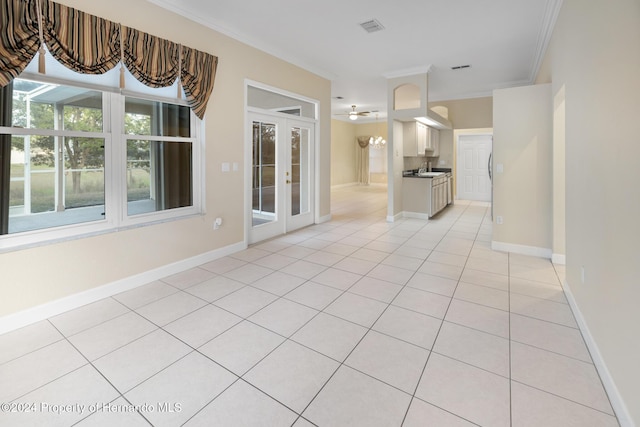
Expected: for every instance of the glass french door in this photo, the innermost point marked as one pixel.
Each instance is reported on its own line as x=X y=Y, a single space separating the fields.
x=282 y=175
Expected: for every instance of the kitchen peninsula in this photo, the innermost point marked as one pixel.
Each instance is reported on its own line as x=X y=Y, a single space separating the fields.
x=425 y=194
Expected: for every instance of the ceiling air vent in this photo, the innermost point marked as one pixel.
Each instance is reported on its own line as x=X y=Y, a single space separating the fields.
x=371 y=26
x=460 y=67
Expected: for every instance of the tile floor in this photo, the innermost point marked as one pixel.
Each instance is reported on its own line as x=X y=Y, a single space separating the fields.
x=356 y=322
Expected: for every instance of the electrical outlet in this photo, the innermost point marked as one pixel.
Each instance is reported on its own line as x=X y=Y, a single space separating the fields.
x=217 y=223
x=499 y=220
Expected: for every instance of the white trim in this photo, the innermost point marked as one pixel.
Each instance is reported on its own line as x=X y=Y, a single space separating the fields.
x=544 y=37
x=323 y=219
x=521 y=249
x=416 y=215
x=617 y=402
x=280 y=91
x=41 y=312
x=248 y=146
x=394 y=218
x=223 y=28
x=408 y=72
x=560 y=259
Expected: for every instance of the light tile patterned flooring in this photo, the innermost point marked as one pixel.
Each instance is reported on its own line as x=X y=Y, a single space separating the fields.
x=356 y=322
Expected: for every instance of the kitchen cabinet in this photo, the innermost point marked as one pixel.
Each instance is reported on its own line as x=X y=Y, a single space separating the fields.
x=415 y=139
x=424 y=197
x=434 y=142
x=420 y=140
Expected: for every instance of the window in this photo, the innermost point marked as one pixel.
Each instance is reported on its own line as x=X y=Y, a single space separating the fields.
x=84 y=160
x=264 y=172
x=159 y=171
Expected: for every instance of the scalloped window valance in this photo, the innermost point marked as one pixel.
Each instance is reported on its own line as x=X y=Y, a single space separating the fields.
x=92 y=45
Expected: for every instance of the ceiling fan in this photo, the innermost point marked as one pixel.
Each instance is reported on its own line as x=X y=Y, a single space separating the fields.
x=353 y=115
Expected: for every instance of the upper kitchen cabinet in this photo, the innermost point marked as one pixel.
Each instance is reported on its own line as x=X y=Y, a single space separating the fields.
x=420 y=140
x=434 y=142
x=415 y=139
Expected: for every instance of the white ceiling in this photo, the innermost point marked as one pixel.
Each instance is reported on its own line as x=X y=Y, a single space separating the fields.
x=502 y=40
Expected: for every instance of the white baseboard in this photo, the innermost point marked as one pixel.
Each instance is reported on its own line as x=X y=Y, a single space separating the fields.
x=560 y=259
x=619 y=407
x=324 y=219
x=521 y=249
x=416 y=215
x=41 y=312
x=394 y=218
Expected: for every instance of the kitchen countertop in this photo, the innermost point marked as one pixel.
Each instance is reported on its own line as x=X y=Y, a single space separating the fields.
x=413 y=173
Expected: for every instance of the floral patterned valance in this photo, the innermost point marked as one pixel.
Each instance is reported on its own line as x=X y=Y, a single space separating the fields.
x=92 y=45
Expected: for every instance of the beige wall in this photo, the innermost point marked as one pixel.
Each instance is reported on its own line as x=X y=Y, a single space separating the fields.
x=559 y=178
x=343 y=153
x=40 y=275
x=343 y=149
x=594 y=56
x=522 y=142
x=470 y=113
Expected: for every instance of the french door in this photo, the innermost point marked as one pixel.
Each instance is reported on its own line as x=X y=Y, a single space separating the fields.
x=282 y=175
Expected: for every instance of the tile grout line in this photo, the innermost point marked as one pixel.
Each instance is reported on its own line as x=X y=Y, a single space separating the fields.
x=510 y=342
x=424 y=368
x=606 y=392
x=289 y=337
x=89 y=362
x=358 y=343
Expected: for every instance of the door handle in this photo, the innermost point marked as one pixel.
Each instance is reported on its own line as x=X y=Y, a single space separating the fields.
x=489 y=167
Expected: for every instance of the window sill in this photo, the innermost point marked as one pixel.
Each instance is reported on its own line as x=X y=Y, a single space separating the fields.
x=51 y=236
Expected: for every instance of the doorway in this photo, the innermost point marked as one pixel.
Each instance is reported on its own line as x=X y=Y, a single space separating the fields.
x=282 y=175
x=474 y=168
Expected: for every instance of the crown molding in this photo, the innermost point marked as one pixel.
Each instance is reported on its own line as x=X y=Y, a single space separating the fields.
x=219 y=27
x=424 y=69
x=544 y=37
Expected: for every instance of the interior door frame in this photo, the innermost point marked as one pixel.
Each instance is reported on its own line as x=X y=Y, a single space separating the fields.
x=315 y=153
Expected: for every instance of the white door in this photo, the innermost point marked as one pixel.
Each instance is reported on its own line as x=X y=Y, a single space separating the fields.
x=473 y=178
x=282 y=175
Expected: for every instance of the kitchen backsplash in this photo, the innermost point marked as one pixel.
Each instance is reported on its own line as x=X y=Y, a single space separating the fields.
x=416 y=162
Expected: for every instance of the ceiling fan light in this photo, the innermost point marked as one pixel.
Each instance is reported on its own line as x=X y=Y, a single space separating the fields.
x=353 y=116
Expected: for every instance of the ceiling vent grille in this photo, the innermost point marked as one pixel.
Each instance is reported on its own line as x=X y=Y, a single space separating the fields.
x=372 y=25
x=460 y=67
